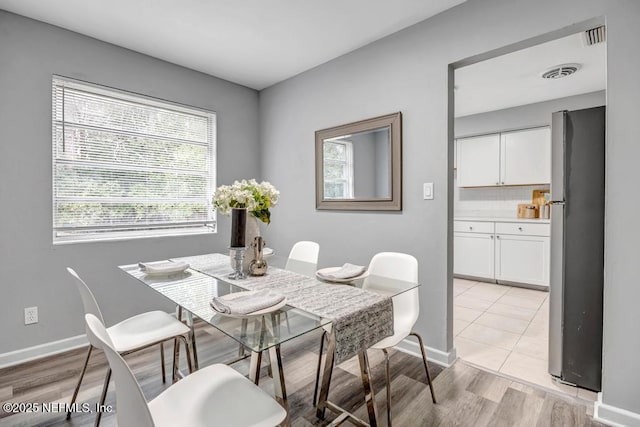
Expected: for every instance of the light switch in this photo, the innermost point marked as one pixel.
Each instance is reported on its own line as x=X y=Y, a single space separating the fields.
x=427 y=191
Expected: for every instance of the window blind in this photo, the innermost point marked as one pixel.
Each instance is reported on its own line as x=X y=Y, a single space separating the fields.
x=125 y=165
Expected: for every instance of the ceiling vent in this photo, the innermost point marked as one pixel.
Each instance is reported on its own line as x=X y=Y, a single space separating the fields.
x=595 y=35
x=560 y=71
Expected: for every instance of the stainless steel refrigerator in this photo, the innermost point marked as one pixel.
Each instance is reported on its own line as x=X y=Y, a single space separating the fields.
x=577 y=246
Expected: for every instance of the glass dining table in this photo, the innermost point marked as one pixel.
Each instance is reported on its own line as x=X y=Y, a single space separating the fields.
x=193 y=289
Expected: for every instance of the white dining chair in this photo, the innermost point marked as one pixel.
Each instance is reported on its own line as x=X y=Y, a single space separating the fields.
x=133 y=334
x=215 y=395
x=406 y=308
x=303 y=258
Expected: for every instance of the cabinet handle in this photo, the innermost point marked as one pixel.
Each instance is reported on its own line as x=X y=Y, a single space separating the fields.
x=502 y=182
x=470 y=228
x=520 y=228
x=491 y=237
x=497 y=183
x=497 y=237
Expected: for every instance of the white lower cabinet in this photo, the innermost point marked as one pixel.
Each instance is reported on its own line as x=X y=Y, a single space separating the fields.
x=515 y=252
x=473 y=254
x=522 y=259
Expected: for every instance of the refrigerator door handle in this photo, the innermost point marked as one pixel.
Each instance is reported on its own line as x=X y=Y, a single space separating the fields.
x=558 y=202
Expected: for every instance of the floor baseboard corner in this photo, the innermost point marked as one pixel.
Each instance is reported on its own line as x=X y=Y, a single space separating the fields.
x=434 y=355
x=613 y=415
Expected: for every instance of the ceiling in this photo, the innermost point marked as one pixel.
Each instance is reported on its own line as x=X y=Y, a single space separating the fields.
x=255 y=43
x=514 y=79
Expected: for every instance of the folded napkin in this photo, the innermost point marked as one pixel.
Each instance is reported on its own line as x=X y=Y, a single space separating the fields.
x=163 y=267
x=347 y=271
x=246 y=304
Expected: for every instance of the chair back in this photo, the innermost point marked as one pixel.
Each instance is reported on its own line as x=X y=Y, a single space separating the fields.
x=303 y=258
x=399 y=266
x=88 y=300
x=132 y=408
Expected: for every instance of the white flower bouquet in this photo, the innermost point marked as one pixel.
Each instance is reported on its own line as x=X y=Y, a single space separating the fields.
x=256 y=197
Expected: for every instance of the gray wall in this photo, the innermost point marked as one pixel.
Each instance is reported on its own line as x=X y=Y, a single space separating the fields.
x=531 y=115
x=32 y=270
x=413 y=78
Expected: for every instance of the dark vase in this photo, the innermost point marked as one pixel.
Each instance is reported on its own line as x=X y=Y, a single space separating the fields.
x=238 y=227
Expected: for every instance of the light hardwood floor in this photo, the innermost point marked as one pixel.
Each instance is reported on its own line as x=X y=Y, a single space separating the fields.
x=466 y=395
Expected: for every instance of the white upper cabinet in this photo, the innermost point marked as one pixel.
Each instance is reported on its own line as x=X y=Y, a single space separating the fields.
x=478 y=161
x=510 y=158
x=526 y=157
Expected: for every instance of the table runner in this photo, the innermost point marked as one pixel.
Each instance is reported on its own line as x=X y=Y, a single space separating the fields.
x=359 y=318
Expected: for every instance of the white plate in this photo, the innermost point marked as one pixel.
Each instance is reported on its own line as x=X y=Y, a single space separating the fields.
x=165 y=268
x=253 y=314
x=267 y=252
x=330 y=270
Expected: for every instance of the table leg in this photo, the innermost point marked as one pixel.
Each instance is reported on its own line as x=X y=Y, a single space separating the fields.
x=326 y=376
x=192 y=337
x=243 y=334
x=278 y=374
x=369 y=394
x=192 y=333
x=278 y=380
x=254 y=366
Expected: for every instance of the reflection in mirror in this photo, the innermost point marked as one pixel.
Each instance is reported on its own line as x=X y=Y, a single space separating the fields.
x=358 y=165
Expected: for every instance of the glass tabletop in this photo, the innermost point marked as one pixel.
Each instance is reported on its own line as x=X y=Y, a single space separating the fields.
x=194 y=288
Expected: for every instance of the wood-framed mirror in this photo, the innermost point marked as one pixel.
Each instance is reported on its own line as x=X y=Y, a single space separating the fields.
x=359 y=165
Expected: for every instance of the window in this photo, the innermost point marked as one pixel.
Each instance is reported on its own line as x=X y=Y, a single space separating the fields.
x=338 y=169
x=126 y=165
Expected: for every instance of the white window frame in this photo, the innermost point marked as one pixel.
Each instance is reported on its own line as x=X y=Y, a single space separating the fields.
x=65 y=235
x=347 y=168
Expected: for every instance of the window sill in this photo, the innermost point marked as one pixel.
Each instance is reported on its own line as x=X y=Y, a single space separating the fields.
x=131 y=235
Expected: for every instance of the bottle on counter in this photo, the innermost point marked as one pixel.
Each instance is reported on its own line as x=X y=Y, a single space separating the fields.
x=544 y=211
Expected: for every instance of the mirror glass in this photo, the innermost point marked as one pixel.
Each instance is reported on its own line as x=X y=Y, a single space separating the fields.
x=358 y=164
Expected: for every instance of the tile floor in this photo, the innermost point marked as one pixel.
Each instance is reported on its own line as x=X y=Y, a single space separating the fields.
x=505 y=329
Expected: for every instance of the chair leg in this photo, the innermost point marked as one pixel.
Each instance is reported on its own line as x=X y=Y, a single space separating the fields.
x=84 y=369
x=164 y=375
x=286 y=318
x=388 y=373
x=103 y=397
x=426 y=366
x=315 y=389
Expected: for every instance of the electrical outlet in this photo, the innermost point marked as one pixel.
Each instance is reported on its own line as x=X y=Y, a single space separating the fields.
x=30 y=315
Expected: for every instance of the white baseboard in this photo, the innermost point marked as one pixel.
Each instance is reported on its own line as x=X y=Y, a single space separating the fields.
x=442 y=358
x=28 y=354
x=613 y=415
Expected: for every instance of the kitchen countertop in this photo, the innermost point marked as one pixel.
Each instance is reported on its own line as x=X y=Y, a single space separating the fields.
x=502 y=219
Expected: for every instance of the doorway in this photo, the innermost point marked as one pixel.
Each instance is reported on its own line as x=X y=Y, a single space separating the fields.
x=500 y=184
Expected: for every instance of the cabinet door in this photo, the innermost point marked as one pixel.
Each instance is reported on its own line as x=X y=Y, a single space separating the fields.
x=523 y=259
x=526 y=157
x=473 y=255
x=478 y=161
